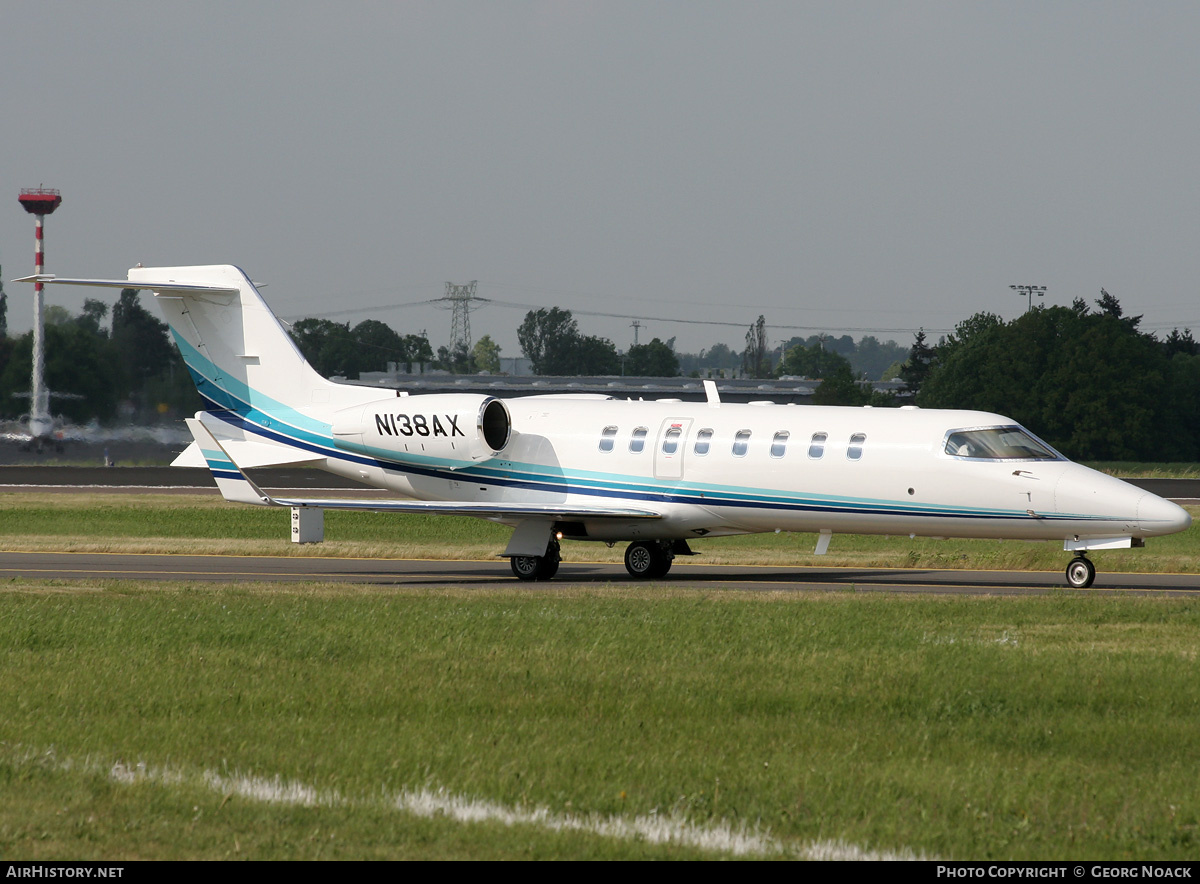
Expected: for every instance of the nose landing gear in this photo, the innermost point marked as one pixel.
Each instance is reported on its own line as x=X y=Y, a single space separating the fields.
x=1080 y=573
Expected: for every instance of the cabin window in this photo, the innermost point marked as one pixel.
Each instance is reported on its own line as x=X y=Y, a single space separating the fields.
x=854 y=452
x=997 y=443
x=779 y=443
x=671 y=440
x=816 y=447
x=703 y=440
x=607 y=438
x=638 y=442
x=741 y=442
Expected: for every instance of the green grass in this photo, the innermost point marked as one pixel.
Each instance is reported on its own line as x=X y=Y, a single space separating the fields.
x=55 y=813
x=1135 y=470
x=1015 y=728
x=1049 y=727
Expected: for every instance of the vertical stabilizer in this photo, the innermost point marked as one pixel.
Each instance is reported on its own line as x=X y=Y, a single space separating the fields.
x=239 y=354
x=244 y=363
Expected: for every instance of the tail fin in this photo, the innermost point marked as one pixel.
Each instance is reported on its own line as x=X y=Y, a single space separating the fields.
x=238 y=353
x=245 y=365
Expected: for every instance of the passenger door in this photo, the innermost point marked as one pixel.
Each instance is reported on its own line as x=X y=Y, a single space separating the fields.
x=670 y=447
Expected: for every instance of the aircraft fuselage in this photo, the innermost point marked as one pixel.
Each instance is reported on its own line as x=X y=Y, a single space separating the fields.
x=715 y=469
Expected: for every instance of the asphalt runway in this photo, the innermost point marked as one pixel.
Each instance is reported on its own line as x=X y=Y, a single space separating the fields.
x=496 y=574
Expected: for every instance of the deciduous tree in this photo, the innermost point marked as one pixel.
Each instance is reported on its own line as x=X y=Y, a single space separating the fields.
x=487 y=355
x=754 y=356
x=1089 y=383
x=652 y=360
x=547 y=338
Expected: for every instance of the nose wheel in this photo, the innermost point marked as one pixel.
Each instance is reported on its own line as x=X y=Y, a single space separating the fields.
x=1080 y=573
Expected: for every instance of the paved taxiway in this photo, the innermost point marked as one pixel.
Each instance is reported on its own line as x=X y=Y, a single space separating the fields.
x=427 y=573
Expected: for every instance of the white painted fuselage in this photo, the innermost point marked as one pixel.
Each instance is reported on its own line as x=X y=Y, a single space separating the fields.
x=708 y=480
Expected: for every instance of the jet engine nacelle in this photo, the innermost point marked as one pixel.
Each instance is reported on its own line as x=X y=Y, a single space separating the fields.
x=450 y=430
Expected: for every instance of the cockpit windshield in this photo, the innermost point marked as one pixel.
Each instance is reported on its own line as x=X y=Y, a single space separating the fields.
x=998 y=443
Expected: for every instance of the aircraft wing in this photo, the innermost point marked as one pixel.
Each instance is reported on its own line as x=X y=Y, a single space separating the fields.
x=471 y=508
x=236 y=486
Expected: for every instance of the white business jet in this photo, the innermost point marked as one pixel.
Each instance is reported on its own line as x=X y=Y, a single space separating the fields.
x=655 y=474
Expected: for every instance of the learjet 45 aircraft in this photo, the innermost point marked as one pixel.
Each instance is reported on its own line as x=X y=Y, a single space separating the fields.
x=658 y=475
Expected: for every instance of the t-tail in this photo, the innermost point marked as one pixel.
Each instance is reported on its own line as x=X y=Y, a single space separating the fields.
x=245 y=365
x=240 y=356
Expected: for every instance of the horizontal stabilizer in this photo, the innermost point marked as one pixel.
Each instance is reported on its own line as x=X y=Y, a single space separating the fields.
x=251 y=455
x=248 y=454
x=191 y=456
x=165 y=285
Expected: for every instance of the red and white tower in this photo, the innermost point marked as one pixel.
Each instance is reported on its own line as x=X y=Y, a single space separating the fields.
x=39 y=202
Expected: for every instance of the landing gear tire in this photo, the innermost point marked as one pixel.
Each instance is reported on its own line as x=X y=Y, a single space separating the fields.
x=1080 y=573
x=549 y=565
x=648 y=560
x=536 y=567
x=525 y=567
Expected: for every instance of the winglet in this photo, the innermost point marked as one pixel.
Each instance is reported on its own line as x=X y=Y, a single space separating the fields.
x=232 y=482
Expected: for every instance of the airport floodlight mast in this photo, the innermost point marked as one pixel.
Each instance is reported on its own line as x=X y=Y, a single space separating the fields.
x=1028 y=291
x=458 y=298
x=39 y=202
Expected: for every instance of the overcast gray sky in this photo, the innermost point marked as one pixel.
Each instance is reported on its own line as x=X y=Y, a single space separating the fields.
x=871 y=166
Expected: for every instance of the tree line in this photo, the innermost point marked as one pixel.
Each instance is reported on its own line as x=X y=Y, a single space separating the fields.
x=550 y=338
x=335 y=349
x=130 y=368
x=1086 y=379
x=95 y=373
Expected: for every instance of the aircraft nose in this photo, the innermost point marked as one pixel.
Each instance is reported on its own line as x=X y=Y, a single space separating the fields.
x=1158 y=516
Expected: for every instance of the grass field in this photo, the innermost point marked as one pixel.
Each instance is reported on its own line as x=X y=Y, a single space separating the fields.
x=298 y=722
x=262 y=722
x=1124 y=469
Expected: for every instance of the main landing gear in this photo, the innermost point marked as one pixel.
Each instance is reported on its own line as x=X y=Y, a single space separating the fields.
x=644 y=559
x=537 y=567
x=649 y=559
x=1080 y=573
